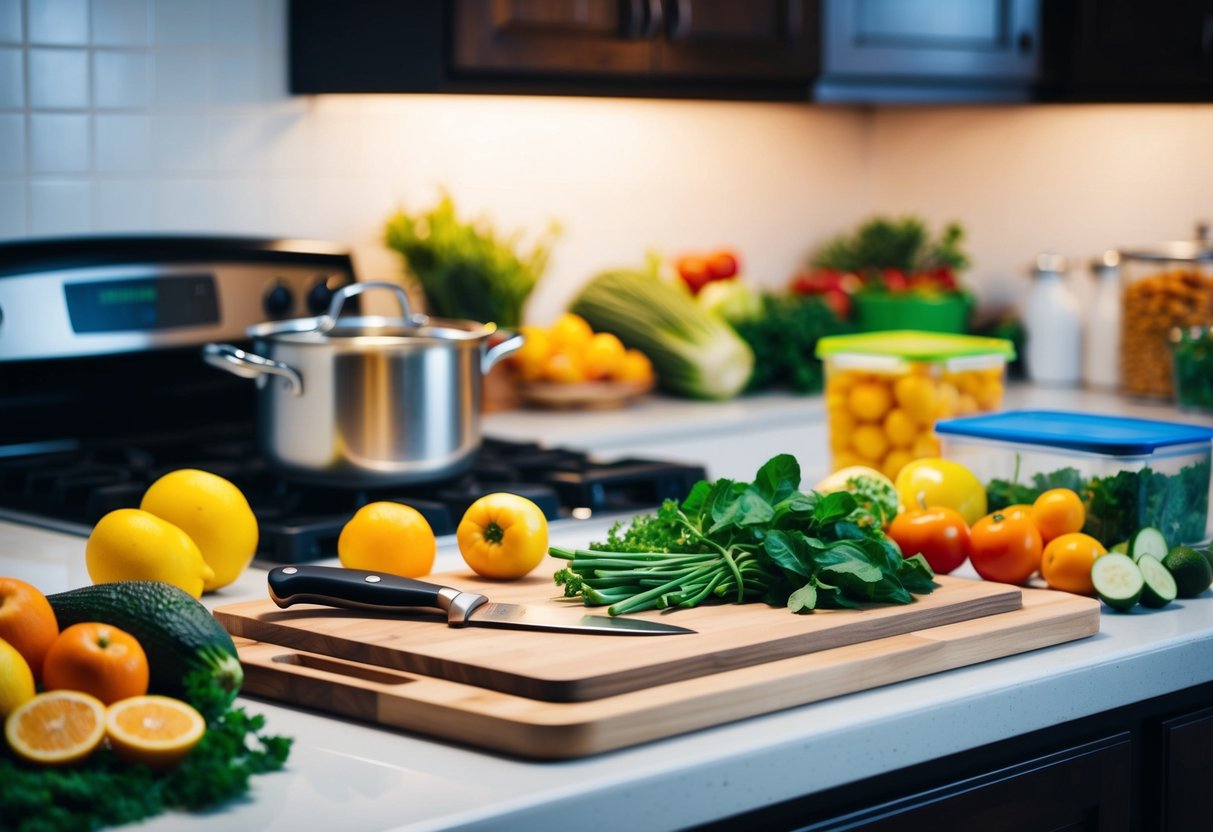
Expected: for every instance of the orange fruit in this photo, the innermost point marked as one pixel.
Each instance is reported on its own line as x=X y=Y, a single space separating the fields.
x=1067 y=560
x=1058 y=511
x=635 y=367
x=157 y=731
x=98 y=659
x=388 y=537
x=27 y=621
x=56 y=727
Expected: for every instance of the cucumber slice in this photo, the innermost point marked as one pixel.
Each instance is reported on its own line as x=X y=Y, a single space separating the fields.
x=1159 y=587
x=1148 y=541
x=1117 y=580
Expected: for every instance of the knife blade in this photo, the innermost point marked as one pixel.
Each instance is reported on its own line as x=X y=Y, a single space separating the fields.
x=382 y=592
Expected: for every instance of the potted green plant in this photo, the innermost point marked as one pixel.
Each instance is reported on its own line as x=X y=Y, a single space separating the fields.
x=891 y=273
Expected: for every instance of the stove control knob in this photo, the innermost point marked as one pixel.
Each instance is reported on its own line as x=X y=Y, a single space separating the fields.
x=278 y=301
x=321 y=294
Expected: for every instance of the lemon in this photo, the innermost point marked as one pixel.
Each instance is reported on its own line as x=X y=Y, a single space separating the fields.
x=917 y=397
x=602 y=356
x=16 y=679
x=531 y=356
x=388 y=537
x=570 y=332
x=214 y=513
x=869 y=401
x=130 y=544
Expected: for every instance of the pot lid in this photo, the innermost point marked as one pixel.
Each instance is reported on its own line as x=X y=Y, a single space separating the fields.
x=408 y=326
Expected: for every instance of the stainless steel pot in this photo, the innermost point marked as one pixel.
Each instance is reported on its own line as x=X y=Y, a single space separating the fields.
x=367 y=400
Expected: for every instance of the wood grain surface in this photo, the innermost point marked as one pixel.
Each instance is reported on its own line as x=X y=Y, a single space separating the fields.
x=570 y=667
x=532 y=728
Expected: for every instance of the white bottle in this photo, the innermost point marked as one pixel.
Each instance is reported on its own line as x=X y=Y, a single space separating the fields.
x=1053 y=326
x=1101 y=344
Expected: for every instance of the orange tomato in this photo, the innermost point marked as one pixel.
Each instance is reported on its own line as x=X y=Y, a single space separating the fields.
x=1067 y=560
x=939 y=534
x=27 y=621
x=1058 y=511
x=1005 y=548
x=98 y=659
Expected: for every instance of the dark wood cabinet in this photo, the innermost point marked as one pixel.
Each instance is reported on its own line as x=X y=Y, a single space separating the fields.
x=760 y=49
x=890 y=50
x=643 y=40
x=1128 y=51
x=1140 y=768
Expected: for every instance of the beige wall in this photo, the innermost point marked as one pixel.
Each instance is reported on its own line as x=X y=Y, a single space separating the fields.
x=161 y=115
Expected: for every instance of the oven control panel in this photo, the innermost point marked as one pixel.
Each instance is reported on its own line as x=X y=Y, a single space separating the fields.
x=60 y=307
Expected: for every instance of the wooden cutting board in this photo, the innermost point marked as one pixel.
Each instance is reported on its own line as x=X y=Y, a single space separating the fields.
x=574 y=667
x=562 y=730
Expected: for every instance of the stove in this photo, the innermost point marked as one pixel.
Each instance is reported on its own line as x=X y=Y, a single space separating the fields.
x=103 y=389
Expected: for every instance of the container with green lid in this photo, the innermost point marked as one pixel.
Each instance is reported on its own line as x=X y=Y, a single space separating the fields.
x=886 y=390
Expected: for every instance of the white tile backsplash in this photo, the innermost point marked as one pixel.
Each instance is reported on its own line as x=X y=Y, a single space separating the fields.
x=122 y=143
x=12 y=144
x=120 y=22
x=59 y=143
x=236 y=77
x=181 y=22
x=181 y=78
x=184 y=205
x=123 y=205
x=181 y=144
x=11 y=28
x=235 y=23
x=12 y=209
x=58 y=79
x=58 y=22
x=12 y=79
x=59 y=207
x=121 y=79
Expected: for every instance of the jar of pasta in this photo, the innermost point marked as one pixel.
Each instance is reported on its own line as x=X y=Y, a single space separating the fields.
x=884 y=391
x=1163 y=289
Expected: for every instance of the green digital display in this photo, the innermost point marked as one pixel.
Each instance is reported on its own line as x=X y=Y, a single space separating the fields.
x=142 y=303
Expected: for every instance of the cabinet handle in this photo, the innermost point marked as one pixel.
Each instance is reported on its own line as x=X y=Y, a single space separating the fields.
x=642 y=19
x=680 y=20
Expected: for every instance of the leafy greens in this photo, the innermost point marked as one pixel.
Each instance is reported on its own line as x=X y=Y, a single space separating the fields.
x=760 y=541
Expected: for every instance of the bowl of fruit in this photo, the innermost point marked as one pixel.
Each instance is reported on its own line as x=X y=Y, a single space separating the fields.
x=892 y=274
x=569 y=366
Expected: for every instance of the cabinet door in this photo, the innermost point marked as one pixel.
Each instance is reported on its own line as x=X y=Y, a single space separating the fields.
x=770 y=39
x=1187 y=805
x=1087 y=788
x=931 y=39
x=528 y=37
x=1127 y=50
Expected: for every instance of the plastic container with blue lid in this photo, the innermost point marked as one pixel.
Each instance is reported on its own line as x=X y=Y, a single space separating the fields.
x=1130 y=472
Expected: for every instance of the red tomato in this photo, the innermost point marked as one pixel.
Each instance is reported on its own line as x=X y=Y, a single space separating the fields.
x=693 y=270
x=722 y=265
x=895 y=280
x=1005 y=547
x=839 y=302
x=939 y=534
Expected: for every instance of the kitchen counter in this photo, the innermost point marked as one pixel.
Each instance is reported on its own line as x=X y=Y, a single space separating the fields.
x=359 y=777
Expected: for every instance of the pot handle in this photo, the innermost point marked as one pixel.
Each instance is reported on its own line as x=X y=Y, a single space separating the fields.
x=329 y=319
x=511 y=344
x=249 y=365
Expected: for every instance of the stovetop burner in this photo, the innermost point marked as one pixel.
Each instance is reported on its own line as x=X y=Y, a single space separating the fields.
x=69 y=490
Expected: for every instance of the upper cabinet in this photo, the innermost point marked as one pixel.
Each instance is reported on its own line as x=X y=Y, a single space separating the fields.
x=1126 y=50
x=935 y=50
x=693 y=48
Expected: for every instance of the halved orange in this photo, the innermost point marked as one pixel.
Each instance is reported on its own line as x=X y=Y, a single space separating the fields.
x=56 y=727
x=157 y=731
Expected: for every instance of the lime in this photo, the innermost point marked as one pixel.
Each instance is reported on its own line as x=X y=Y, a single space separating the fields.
x=1192 y=572
x=1121 y=548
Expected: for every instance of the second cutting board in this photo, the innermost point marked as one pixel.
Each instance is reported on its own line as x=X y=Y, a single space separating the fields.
x=565 y=667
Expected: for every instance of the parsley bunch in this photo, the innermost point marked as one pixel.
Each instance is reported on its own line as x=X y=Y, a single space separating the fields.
x=761 y=541
x=104 y=791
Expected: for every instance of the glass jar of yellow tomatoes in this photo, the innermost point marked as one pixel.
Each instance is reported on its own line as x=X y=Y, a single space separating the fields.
x=884 y=391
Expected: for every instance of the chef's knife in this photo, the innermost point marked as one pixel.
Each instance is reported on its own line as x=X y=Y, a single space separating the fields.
x=355 y=589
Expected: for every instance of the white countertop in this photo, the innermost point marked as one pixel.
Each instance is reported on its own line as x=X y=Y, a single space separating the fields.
x=359 y=777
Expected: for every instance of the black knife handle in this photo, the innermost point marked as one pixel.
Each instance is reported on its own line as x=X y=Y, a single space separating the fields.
x=356 y=589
